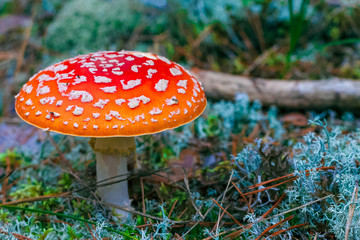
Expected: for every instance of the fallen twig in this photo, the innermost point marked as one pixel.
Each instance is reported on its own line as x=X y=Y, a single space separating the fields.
x=290 y=175
x=284 y=230
x=294 y=94
x=273 y=226
x=351 y=211
x=272 y=186
x=242 y=195
x=235 y=220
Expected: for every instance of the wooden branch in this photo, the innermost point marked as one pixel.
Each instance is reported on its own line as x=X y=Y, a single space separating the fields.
x=332 y=93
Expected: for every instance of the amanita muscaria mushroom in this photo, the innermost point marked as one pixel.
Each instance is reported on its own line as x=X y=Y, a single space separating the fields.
x=112 y=97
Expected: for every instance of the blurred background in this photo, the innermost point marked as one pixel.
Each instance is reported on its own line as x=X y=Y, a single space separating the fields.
x=282 y=39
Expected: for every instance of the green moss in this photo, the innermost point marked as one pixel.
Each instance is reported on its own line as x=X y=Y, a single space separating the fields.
x=93 y=25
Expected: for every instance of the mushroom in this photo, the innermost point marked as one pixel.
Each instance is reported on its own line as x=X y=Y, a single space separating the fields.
x=111 y=97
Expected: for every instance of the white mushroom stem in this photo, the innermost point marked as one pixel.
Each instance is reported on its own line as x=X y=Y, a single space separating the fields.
x=112 y=156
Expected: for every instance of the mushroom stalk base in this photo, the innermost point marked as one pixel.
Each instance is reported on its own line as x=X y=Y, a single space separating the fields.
x=112 y=156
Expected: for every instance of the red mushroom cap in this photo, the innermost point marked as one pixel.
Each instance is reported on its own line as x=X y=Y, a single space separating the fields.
x=107 y=94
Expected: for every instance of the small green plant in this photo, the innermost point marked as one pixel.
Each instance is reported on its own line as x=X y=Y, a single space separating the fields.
x=4 y=216
x=297 y=24
x=28 y=190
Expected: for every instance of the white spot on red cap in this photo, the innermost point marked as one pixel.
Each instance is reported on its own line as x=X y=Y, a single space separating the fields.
x=79 y=79
x=78 y=111
x=161 y=85
x=85 y=96
x=28 y=88
x=87 y=119
x=119 y=101
x=44 y=77
x=175 y=72
x=182 y=83
x=176 y=112
x=115 y=126
x=130 y=84
x=60 y=67
x=188 y=103
x=69 y=108
x=111 y=89
x=196 y=84
x=88 y=64
x=101 y=103
x=66 y=122
x=149 y=63
x=46 y=100
x=153 y=120
x=76 y=125
x=134 y=68
x=108 y=117
x=138 y=117
x=172 y=101
x=117 y=71
x=59 y=103
x=96 y=115
x=62 y=86
x=116 y=115
x=95 y=127
x=27 y=113
x=142 y=54
x=150 y=72
x=43 y=90
x=99 y=57
x=102 y=79
x=93 y=70
x=113 y=114
x=111 y=56
x=155 y=111
x=38 y=113
x=29 y=102
x=181 y=90
x=129 y=58
x=196 y=87
x=134 y=102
